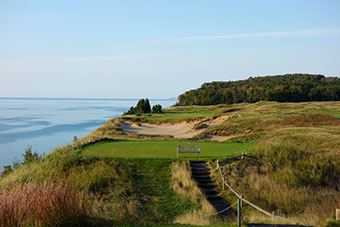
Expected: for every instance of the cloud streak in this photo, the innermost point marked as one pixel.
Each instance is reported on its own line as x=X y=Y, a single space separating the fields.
x=295 y=33
x=326 y=32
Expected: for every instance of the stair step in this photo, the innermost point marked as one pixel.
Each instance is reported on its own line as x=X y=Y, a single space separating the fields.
x=199 y=165
x=219 y=203
x=206 y=185
x=198 y=161
x=194 y=169
x=210 y=192
x=201 y=172
x=205 y=181
x=214 y=197
x=201 y=177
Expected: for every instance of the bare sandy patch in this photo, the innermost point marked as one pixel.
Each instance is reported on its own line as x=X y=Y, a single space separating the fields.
x=182 y=130
x=221 y=138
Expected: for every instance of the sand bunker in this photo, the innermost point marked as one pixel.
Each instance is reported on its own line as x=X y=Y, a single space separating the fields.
x=182 y=130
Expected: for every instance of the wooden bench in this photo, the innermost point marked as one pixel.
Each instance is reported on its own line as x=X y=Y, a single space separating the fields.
x=189 y=149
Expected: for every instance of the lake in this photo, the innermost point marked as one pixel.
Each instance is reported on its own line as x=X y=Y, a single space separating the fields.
x=44 y=123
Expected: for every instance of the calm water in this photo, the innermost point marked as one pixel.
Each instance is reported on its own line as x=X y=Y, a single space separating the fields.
x=46 y=123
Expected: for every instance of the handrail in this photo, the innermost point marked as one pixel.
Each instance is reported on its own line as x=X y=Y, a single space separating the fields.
x=238 y=156
x=221 y=211
x=239 y=196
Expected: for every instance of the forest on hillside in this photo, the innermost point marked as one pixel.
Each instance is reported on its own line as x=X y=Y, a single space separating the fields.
x=281 y=88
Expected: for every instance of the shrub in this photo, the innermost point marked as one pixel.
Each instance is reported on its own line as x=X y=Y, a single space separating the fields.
x=157 y=109
x=143 y=106
x=7 y=170
x=333 y=223
x=29 y=156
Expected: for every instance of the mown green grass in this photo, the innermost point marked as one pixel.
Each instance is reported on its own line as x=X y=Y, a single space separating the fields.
x=163 y=149
x=332 y=112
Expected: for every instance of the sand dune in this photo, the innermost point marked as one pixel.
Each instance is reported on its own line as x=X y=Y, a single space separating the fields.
x=181 y=130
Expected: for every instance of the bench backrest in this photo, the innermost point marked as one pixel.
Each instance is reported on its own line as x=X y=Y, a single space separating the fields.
x=189 y=149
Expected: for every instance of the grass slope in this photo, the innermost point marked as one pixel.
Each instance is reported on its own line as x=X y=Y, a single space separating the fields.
x=119 y=191
x=296 y=170
x=163 y=149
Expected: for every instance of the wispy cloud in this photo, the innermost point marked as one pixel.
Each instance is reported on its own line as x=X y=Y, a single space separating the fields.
x=294 y=33
x=329 y=32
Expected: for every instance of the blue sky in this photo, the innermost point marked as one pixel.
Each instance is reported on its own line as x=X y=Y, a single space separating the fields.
x=159 y=49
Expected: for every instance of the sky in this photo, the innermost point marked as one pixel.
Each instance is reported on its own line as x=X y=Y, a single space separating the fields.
x=159 y=49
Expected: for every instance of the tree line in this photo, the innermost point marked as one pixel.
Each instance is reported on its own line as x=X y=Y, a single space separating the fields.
x=281 y=88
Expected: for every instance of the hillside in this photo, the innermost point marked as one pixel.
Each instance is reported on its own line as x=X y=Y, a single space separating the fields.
x=281 y=88
x=131 y=176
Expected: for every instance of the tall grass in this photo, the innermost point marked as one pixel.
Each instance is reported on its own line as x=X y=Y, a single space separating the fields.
x=184 y=185
x=47 y=204
x=296 y=173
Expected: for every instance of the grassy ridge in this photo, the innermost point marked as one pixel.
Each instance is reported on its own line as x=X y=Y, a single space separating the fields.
x=118 y=191
x=297 y=167
x=254 y=122
x=295 y=173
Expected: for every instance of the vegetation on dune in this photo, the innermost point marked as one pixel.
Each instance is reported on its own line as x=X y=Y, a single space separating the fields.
x=142 y=107
x=184 y=185
x=137 y=181
x=28 y=156
x=296 y=170
x=253 y=122
x=282 y=88
x=117 y=190
x=46 y=204
x=178 y=114
x=157 y=109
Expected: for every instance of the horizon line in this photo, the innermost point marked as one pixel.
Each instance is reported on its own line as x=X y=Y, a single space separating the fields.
x=73 y=98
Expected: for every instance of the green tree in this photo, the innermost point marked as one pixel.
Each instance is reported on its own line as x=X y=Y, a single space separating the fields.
x=140 y=106
x=143 y=106
x=146 y=106
x=157 y=109
x=281 y=88
x=29 y=156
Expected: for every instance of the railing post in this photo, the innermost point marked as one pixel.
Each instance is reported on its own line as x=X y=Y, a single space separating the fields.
x=239 y=212
x=337 y=214
x=219 y=170
x=273 y=215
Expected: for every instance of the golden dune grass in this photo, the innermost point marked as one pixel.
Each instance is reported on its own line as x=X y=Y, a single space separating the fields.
x=184 y=185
